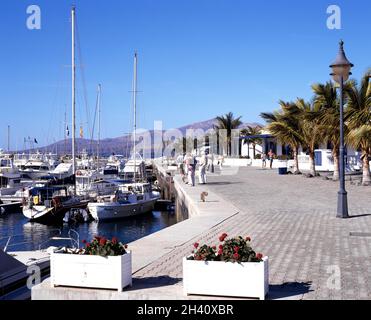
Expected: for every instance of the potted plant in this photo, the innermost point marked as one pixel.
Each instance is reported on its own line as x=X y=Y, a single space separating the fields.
x=101 y=264
x=230 y=269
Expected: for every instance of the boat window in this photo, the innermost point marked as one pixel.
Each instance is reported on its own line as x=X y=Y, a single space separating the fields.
x=3 y=163
x=59 y=193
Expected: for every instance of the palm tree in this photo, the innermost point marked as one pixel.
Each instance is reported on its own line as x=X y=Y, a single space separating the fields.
x=311 y=129
x=326 y=101
x=285 y=126
x=252 y=131
x=358 y=118
x=227 y=122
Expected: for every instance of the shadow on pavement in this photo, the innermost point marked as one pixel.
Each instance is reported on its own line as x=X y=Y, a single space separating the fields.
x=289 y=290
x=153 y=282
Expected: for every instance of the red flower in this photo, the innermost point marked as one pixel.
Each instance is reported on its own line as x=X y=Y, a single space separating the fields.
x=235 y=249
x=222 y=237
x=248 y=239
x=102 y=241
x=83 y=241
x=114 y=240
x=220 y=247
x=196 y=244
x=236 y=256
x=259 y=256
x=88 y=245
x=220 y=252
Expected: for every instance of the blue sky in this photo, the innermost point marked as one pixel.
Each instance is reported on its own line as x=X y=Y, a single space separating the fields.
x=197 y=59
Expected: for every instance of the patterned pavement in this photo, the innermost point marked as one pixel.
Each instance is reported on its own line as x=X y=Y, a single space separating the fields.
x=292 y=219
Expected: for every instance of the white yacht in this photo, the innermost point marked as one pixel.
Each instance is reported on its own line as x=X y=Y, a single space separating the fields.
x=35 y=169
x=135 y=167
x=10 y=178
x=128 y=201
x=91 y=183
x=62 y=171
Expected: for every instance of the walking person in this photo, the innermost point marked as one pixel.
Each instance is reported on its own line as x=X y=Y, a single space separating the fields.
x=179 y=161
x=270 y=155
x=264 y=160
x=202 y=169
x=191 y=167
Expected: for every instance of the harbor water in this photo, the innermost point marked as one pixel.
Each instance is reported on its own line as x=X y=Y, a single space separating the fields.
x=31 y=235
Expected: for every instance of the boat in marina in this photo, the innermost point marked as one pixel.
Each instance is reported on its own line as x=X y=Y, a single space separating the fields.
x=50 y=204
x=128 y=201
x=10 y=178
x=135 y=167
x=35 y=169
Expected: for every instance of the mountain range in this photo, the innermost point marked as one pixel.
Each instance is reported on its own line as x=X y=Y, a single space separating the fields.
x=120 y=145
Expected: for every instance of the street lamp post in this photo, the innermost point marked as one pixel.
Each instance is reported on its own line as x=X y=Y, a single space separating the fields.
x=340 y=73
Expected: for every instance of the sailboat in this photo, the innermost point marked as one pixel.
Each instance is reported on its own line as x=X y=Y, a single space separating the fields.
x=130 y=199
x=50 y=204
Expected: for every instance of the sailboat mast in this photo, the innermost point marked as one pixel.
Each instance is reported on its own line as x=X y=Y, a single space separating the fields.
x=135 y=113
x=65 y=130
x=73 y=94
x=98 y=102
x=8 y=138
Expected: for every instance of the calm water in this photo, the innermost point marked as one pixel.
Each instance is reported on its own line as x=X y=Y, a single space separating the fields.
x=28 y=236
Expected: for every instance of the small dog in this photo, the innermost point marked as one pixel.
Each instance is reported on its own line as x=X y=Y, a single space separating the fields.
x=203 y=195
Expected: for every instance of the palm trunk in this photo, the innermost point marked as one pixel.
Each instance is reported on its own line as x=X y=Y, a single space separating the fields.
x=254 y=151
x=312 y=164
x=229 y=147
x=296 y=161
x=366 y=178
x=336 y=165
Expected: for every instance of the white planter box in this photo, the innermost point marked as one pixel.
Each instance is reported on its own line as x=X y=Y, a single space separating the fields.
x=113 y=272
x=218 y=278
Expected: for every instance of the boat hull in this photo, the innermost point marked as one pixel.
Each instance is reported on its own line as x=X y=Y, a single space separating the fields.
x=110 y=211
x=52 y=215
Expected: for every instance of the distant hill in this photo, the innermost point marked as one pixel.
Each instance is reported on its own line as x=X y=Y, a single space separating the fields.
x=120 y=145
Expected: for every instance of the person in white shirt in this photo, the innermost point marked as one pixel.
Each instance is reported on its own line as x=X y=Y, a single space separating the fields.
x=202 y=168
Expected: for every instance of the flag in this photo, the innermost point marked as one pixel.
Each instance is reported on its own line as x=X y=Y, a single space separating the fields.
x=35 y=141
x=67 y=132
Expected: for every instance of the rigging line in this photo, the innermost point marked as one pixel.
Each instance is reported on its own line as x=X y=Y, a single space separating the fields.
x=95 y=117
x=54 y=105
x=81 y=66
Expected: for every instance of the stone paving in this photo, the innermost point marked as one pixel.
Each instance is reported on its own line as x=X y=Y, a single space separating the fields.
x=292 y=219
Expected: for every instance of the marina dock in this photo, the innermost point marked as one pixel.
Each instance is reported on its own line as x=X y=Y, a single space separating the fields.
x=306 y=243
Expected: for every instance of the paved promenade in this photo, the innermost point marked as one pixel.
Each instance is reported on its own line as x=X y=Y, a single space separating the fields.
x=292 y=219
x=313 y=254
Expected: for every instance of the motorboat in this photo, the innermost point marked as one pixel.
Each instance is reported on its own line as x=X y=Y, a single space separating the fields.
x=62 y=171
x=35 y=169
x=135 y=168
x=50 y=204
x=128 y=201
x=10 y=178
x=91 y=182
